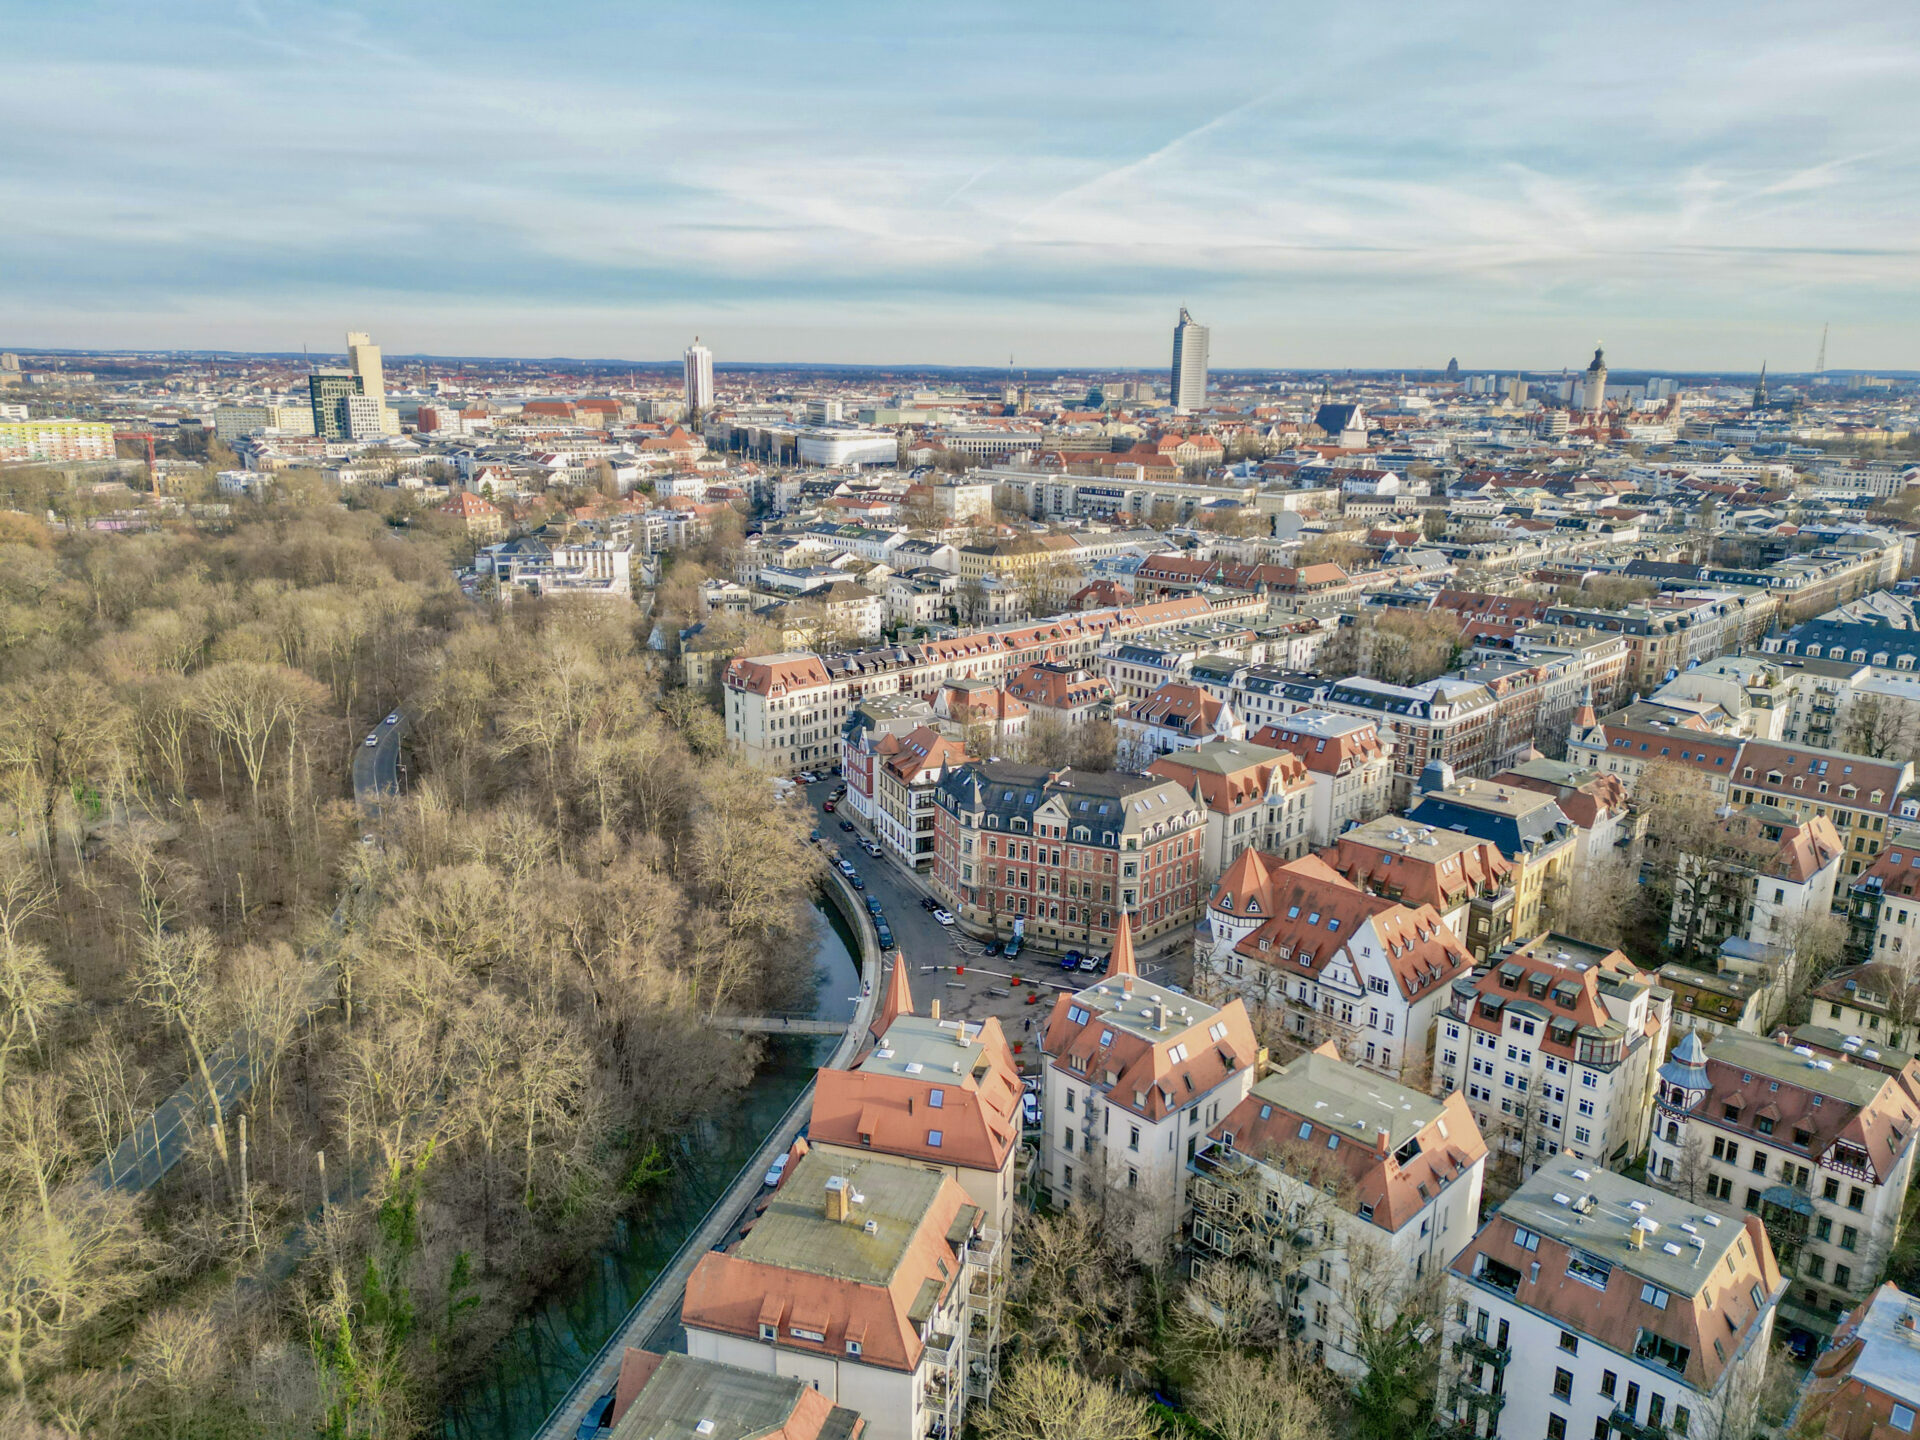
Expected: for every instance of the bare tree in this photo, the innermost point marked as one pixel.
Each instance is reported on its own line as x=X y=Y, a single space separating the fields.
x=1039 y=1400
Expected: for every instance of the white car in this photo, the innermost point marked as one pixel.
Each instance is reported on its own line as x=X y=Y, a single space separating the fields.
x=779 y=1169
x=393 y=719
x=1030 y=1110
x=944 y=917
x=807 y=777
x=846 y=869
x=373 y=739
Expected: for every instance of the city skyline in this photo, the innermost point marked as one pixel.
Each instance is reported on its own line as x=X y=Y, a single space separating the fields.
x=1696 y=196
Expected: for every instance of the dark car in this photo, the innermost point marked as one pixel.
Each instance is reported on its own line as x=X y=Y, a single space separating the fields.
x=847 y=825
x=1072 y=957
x=886 y=935
x=929 y=904
x=815 y=835
x=857 y=882
x=594 y=1422
x=1013 y=947
x=873 y=905
x=993 y=948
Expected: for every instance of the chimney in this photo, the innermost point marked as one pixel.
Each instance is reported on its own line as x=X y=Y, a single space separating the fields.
x=838 y=1210
x=1386 y=1142
x=1159 y=1016
x=960 y=1034
x=933 y=1011
x=1636 y=1237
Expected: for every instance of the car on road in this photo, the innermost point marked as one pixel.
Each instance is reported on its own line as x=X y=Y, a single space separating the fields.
x=393 y=719
x=845 y=867
x=943 y=917
x=871 y=848
x=779 y=1169
x=373 y=739
x=1072 y=957
x=856 y=882
x=929 y=904
x=1092 y=964
x=827 y=805
x=816 y=833
x=993 y=948
x=807 y=777
x=1030 y=1110
x=873 y=905
x=847 y=825
x=595 y=1422
x=886 y=935
x=1031 y=1084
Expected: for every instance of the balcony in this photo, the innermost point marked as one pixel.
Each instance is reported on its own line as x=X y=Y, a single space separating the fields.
x=1469 y=1396
x=1626 y=1425
x=1482 y=1350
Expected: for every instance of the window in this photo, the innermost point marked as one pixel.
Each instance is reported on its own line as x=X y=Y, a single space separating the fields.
x=934 y=1137
x=1563 y=1384
x=937 y=1099
x=1653 y=1295
x=1133 y=1137
x=1661 y=1351
x=1843 y=1276
x=853 y=1347
x=1856 y=1198
x=1849 y=1238
x=768 y=1332
x=1557 y=1426
x=1569 y=1342
x=1902 y=1417
x=1607 y=1382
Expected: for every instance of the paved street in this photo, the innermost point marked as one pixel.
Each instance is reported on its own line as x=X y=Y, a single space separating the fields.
x=944 y=964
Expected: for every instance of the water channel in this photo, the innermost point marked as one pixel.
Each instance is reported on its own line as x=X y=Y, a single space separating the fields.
x=534 y=1365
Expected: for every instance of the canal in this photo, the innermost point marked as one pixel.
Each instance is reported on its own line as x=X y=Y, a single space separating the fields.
x=532 y=1368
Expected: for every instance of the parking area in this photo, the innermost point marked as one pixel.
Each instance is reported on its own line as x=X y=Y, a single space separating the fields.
x=944 y=964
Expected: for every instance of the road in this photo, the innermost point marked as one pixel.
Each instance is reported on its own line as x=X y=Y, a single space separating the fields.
x=159 y=1141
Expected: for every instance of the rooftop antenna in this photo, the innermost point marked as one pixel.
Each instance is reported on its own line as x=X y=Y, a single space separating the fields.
x=1820 y=362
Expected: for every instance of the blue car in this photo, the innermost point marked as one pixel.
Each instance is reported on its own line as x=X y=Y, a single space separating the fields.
x=595 y=1421
x=886 y=936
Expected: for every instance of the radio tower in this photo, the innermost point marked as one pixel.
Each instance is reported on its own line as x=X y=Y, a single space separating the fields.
x=1820 y=363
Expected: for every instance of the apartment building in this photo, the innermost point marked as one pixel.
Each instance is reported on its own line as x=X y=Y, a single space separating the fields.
x=1348 y=763
x=1592 y=1305
x=1856 y=792
x=1555 y=1047
x=906 y=771
x=1253 y=798
x=1317 y=958
x=1448 y=721
x=1069 y=696
x=870 y=1278
x=1136 y=1075
x=1467 y=881
x=784 y=712
x=1765 y=875
x=1866 y=1385
x=1056 y=856
x=1819 y=1150
x=1384 y=1181
x=55 y=441
x=1527 y=827
x=1597 y=804
x=1628 y=742
x=1877 y=1003
x=939 y=1093
x=1173 y=718
x=677 y=1395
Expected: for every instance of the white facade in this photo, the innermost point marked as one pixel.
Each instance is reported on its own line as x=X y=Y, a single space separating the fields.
x=832 y=446
x=698 y=367
x=1189 y=364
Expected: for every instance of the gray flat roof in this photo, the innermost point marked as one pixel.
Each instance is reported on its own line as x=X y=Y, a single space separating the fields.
x=1890 y=1360
x=1130 y=1012
x=1855 y=1084
x=1581 y=1205
x=1345 y=1097
x=794 y=1233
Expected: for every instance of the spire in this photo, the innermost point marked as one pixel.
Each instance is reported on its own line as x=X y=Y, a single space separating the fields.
x=1121 y=962
x=897 y=1000
x=1584 y=718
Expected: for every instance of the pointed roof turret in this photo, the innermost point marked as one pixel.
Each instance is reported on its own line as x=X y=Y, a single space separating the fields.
x=1686 y=1067
x=1584 y=719
x=896 y=1000
x=1121 y=962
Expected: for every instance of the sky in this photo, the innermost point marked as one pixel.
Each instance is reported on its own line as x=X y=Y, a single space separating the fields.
x=1696 y=186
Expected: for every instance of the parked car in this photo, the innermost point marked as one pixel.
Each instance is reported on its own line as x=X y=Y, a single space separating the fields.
x=943 y=917
x=856 y=882
x=595 y=1423
x=886 y=935
x=1013 y=947
x=1072 y=957
x=779 y=1169
x=1092 y=964
x=871 y=847
x=846 y=867
x=816 y=833
x=929 y=904
x=1031 y=1084
x=873 y=905
x=807 y=777
x=847 y=825
x=993 y=948
x=827 y=805
x=1030 y=1110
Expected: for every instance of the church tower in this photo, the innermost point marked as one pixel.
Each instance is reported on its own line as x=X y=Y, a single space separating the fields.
x=1594 y=398
x=1760 y=388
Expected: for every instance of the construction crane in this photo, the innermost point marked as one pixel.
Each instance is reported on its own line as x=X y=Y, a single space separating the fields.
x=146 y=435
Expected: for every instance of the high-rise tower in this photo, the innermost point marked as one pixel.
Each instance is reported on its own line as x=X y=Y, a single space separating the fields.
x=1760 y=388
x=1189 y=364
x=363 y=363
x=699 y=368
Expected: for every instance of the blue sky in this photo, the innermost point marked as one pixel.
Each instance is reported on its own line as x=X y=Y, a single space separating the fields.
x=1696 y=185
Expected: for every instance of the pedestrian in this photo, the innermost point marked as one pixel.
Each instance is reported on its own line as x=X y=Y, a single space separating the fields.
x=1029 y=1024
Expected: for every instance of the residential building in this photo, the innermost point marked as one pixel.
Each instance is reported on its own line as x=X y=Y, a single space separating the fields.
x=907 y=773
x=1528 y=828
x=1764 y=876
x=1857 y=793
x=1062 y=694
x=1598 y=805
x=1174 y=717
x=1189 y=389
x=872 y=732
x=235 y=422
x=1055 y=856
x=1348 y=763
x=697 y=364
x=1877 y=1003
x=1555 y=1047
x=479 y=518
x=1317 y=958
x=795 y=713
x=1465 y=879
x=1592 y=1305
x=1254 y=798
x=673 y=1395
x=55 y=441
x=1712 y=1001
x=1447 y=721
x=1818 y=1150
x=327 y=392
x=925 y=1071
x=1630 y=741
x=1135 y=1077
x=1384 y=1181
x=1866 y=1384
x=873 y=1279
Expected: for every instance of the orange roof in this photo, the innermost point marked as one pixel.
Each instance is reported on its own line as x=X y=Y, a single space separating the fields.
x=884 y=1106
x=468 y=506
x=1228 y=792
x=1085 y=1039
x=1121 y=961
